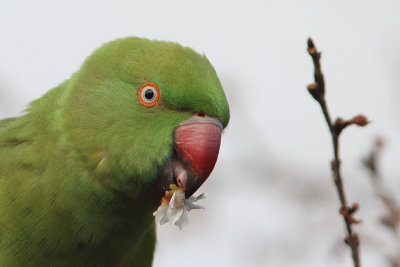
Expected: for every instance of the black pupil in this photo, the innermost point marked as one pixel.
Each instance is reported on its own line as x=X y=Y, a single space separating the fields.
x=149 y=94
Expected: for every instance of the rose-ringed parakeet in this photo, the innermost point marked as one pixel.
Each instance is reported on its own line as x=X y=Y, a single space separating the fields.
x=82 y=171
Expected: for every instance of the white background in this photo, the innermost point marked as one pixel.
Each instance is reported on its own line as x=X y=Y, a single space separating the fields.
x=271 y=201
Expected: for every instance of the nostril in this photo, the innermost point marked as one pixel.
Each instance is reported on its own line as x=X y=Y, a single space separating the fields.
x=201 y=114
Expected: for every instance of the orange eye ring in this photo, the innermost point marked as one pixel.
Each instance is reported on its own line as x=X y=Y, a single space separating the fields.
x=148 y=95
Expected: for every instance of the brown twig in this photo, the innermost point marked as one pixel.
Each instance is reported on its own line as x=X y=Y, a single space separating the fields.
x=317 y=90
x=392 y=217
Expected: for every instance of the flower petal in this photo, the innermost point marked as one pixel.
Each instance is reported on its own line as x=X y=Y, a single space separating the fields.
x=201 y=196
x=190 y=206
x=182 y=221
x=177 y=200
x=178 y=214
x=161 y=214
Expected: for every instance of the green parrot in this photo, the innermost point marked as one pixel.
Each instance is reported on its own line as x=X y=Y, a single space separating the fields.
x=83 y=170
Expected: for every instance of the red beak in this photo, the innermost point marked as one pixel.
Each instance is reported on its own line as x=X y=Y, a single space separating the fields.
x=197 y=145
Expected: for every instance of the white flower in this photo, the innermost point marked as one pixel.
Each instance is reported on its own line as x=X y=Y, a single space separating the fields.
x=174 y=209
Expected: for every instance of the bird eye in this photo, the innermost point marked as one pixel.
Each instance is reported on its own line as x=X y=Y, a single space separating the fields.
x=148 y=94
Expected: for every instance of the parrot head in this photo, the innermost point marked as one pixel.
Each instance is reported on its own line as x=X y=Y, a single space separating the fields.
x=142 y=113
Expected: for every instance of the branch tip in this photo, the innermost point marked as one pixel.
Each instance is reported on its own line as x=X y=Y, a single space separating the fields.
x=310 y=44
x=359 y=120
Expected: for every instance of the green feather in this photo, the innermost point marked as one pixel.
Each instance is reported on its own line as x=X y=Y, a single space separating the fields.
x=79 y=168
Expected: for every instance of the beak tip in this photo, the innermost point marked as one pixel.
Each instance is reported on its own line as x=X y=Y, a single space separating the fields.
x=193 y=184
